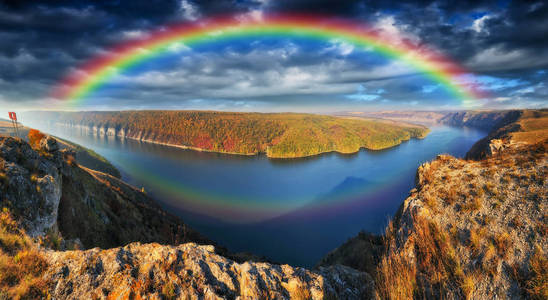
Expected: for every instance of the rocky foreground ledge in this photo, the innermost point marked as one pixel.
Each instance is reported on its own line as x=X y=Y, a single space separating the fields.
x=191 y=271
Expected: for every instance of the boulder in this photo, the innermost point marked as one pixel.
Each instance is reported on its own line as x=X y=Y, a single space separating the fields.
x=49 y=144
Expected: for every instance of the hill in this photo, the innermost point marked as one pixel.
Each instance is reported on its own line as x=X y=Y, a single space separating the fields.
x=284 y=135
x=473 y=228
x=481 y=119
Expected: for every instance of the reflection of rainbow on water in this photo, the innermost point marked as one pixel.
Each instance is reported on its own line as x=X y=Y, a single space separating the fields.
x=241 y=209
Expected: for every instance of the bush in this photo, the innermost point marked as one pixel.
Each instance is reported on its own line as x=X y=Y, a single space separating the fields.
x=35 y=136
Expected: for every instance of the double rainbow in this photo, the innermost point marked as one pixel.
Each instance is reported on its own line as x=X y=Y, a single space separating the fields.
x=97 y=71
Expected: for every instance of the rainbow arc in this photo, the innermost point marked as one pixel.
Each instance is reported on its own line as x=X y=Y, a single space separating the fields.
x=78 y=85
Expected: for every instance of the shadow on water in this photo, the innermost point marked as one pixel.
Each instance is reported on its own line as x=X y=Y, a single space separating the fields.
x=306 y=206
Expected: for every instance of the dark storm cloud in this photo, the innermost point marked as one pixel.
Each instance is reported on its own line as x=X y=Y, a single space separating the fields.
x=505 y=40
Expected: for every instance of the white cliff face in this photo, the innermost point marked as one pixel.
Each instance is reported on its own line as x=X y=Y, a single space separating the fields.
x=110 y=131
x=190 y=271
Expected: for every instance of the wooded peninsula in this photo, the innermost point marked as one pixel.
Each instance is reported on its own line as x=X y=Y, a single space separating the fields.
x=278 y=135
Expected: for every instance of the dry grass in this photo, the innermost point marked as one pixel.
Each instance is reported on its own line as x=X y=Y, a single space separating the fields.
x=537 y=284
x=476 y=238
x=169 y=290
x=396 y=277
x=502 y=243
x=467 y=285
x=452 y=195
x=430 y=274
x=472 y=204
x=429 y=199
x=21 y=265
x=516 y=222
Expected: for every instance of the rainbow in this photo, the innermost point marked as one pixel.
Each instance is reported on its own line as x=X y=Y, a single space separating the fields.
x=244 y=209
x=96 y=72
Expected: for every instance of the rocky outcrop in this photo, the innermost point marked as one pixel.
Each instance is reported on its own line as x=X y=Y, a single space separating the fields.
x=362 y=252
x=32 y=183
x=486 y=120
x=51 y=192
x=479 y=225
x=472 y=229
x=503 y=134
x=190 y=271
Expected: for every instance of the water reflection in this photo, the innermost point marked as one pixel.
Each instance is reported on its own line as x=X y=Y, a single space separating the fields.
x=293 y=211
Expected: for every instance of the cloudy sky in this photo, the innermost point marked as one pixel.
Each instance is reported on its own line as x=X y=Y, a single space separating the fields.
x=503 y=43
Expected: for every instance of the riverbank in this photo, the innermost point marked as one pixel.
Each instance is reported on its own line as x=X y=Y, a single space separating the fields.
x=280 y=135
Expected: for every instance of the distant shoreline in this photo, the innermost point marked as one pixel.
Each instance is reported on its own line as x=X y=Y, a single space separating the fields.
x=427 y=131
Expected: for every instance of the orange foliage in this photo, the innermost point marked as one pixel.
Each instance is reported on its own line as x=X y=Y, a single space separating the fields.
x=35 y=136
x=203 y=141
x=229 y=144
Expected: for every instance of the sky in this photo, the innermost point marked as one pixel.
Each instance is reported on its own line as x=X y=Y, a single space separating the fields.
x=503 y=45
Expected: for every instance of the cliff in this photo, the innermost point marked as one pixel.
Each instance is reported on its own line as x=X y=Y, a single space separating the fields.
x=473 y=229
x=52 y=208
x=56 y=196
x=281 y=135
x=84 y=156
x=485 y=120
x=519 y=127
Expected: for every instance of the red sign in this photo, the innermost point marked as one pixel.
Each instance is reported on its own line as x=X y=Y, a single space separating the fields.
x=13 y=116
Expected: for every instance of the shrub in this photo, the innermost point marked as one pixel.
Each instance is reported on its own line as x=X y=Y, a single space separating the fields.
x=35 y=136
x=71 y=161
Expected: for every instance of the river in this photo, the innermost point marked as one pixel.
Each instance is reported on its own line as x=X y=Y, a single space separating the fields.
x=292 y=210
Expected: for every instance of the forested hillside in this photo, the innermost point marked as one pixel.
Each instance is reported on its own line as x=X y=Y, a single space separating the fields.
x=278 y=135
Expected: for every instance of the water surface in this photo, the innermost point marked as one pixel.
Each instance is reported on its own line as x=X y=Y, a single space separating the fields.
x=291 y=211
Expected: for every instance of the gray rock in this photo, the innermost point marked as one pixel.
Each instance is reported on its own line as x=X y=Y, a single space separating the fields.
x=33 y=185
x=49 y=144
x=190 y=271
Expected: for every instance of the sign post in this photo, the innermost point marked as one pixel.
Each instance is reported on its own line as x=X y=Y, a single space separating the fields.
x=13 y=118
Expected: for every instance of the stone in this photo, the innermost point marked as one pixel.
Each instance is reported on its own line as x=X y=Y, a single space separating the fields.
x=49 y=144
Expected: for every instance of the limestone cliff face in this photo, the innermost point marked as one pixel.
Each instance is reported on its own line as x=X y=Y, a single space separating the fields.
x=486 y=120
x=189 y=271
